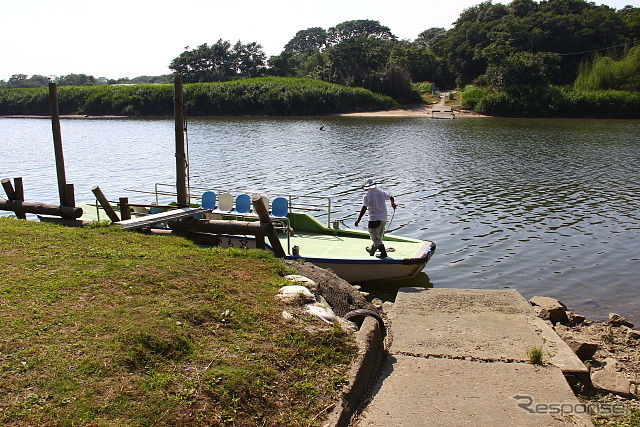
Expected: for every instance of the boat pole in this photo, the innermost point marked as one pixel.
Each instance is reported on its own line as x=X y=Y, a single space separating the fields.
x=181 y=158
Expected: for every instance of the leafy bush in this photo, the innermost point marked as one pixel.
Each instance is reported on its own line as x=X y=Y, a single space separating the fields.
x=260 y=96
x=556 y=102
x=472 y=95
x=605 y=73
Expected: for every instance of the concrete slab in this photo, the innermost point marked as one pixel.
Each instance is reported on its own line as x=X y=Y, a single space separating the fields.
x=490 y=325
x=459 y=358
x=418 y=392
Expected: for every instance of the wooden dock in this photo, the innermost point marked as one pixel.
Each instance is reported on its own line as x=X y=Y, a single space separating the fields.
x=153 y=219
x=442 y=112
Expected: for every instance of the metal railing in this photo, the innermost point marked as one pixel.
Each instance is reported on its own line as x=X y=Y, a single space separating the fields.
x=318 y=206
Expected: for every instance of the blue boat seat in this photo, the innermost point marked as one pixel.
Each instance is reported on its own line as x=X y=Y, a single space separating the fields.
x=243 y=204
x=209 y=200
x=155 y=210
x=280 y=207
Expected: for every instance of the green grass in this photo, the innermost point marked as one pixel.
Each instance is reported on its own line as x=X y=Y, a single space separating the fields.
x=535 y=355
x=277 y=96
x=103 y=327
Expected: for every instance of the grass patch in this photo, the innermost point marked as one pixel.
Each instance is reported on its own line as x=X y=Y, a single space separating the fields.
x=535 y=355
x=104 y=327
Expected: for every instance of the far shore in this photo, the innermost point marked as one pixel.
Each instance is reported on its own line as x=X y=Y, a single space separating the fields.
x=416 y=111
x=419 y=111
x=413 y=111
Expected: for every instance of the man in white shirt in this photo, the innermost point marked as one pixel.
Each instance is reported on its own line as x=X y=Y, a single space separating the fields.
x=375 y=201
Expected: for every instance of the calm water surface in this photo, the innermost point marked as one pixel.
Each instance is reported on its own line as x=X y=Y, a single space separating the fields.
x=547 y=207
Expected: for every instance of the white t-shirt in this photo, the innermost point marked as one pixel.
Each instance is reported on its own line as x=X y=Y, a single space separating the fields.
x=375 y=201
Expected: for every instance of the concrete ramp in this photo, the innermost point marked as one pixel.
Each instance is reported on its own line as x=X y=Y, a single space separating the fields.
x=459 y=358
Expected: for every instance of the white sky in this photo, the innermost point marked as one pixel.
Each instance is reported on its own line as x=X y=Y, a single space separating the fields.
x=129 y=38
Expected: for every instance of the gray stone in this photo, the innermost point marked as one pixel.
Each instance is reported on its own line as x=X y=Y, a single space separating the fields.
x=617 y=320
x=611 y=381
x=632 y=337
x=582 y=348
x=550 y=309
x=295 y=293
x=302 y=280
x=575 y=319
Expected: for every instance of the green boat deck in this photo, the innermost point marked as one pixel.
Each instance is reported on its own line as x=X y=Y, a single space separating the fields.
x=350 y=246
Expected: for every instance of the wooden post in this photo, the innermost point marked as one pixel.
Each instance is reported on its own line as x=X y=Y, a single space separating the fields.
x=57 y=143
x=70 y=195
x=263 y=214
x=19 y=195
x=8 y=188
x=19 y=188
x=125 y=212
x=181 y=158
x=16 y=194
x=105 y=204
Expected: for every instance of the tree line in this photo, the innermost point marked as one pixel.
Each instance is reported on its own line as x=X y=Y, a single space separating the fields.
x=24 y=81
x=525 y=43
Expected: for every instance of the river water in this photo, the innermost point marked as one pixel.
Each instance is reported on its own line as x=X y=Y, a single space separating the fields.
x=547 y=207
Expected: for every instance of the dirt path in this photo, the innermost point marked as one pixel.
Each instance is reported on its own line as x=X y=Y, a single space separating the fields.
x=416 y=110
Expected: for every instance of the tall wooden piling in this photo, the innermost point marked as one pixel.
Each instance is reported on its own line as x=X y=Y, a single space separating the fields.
x=181 y=158
x=57 y=145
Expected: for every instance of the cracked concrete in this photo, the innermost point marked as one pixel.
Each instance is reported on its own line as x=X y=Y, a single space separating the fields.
x=459 y=357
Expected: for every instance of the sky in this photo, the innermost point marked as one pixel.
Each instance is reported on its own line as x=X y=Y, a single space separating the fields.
x=130 y=38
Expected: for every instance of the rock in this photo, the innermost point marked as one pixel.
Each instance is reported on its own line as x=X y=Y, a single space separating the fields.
x=611 y=381
x=295 y=293
x=550 y=309
x=286 y=315
x=617 y=320
x=321 y=311
x=575 y=319
x=377 y=303
x=582 y=348
x=632 y=337
x=347 y=325
x=302 y=280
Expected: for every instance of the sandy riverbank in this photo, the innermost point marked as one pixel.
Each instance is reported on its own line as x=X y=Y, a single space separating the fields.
x=416 y=111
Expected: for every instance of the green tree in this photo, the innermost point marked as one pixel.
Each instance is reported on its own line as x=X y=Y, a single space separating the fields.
x=250 y=60
x=354 y=58
x=220 y=62
x=359 y=28
x=284 y=65
x=523 y=69
x=429 y=38
x=307 y=41
x=76 y=80
x=420 y=62
x=24 y=81
x=630 y=17
x=315 y=65
x=205 y=63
